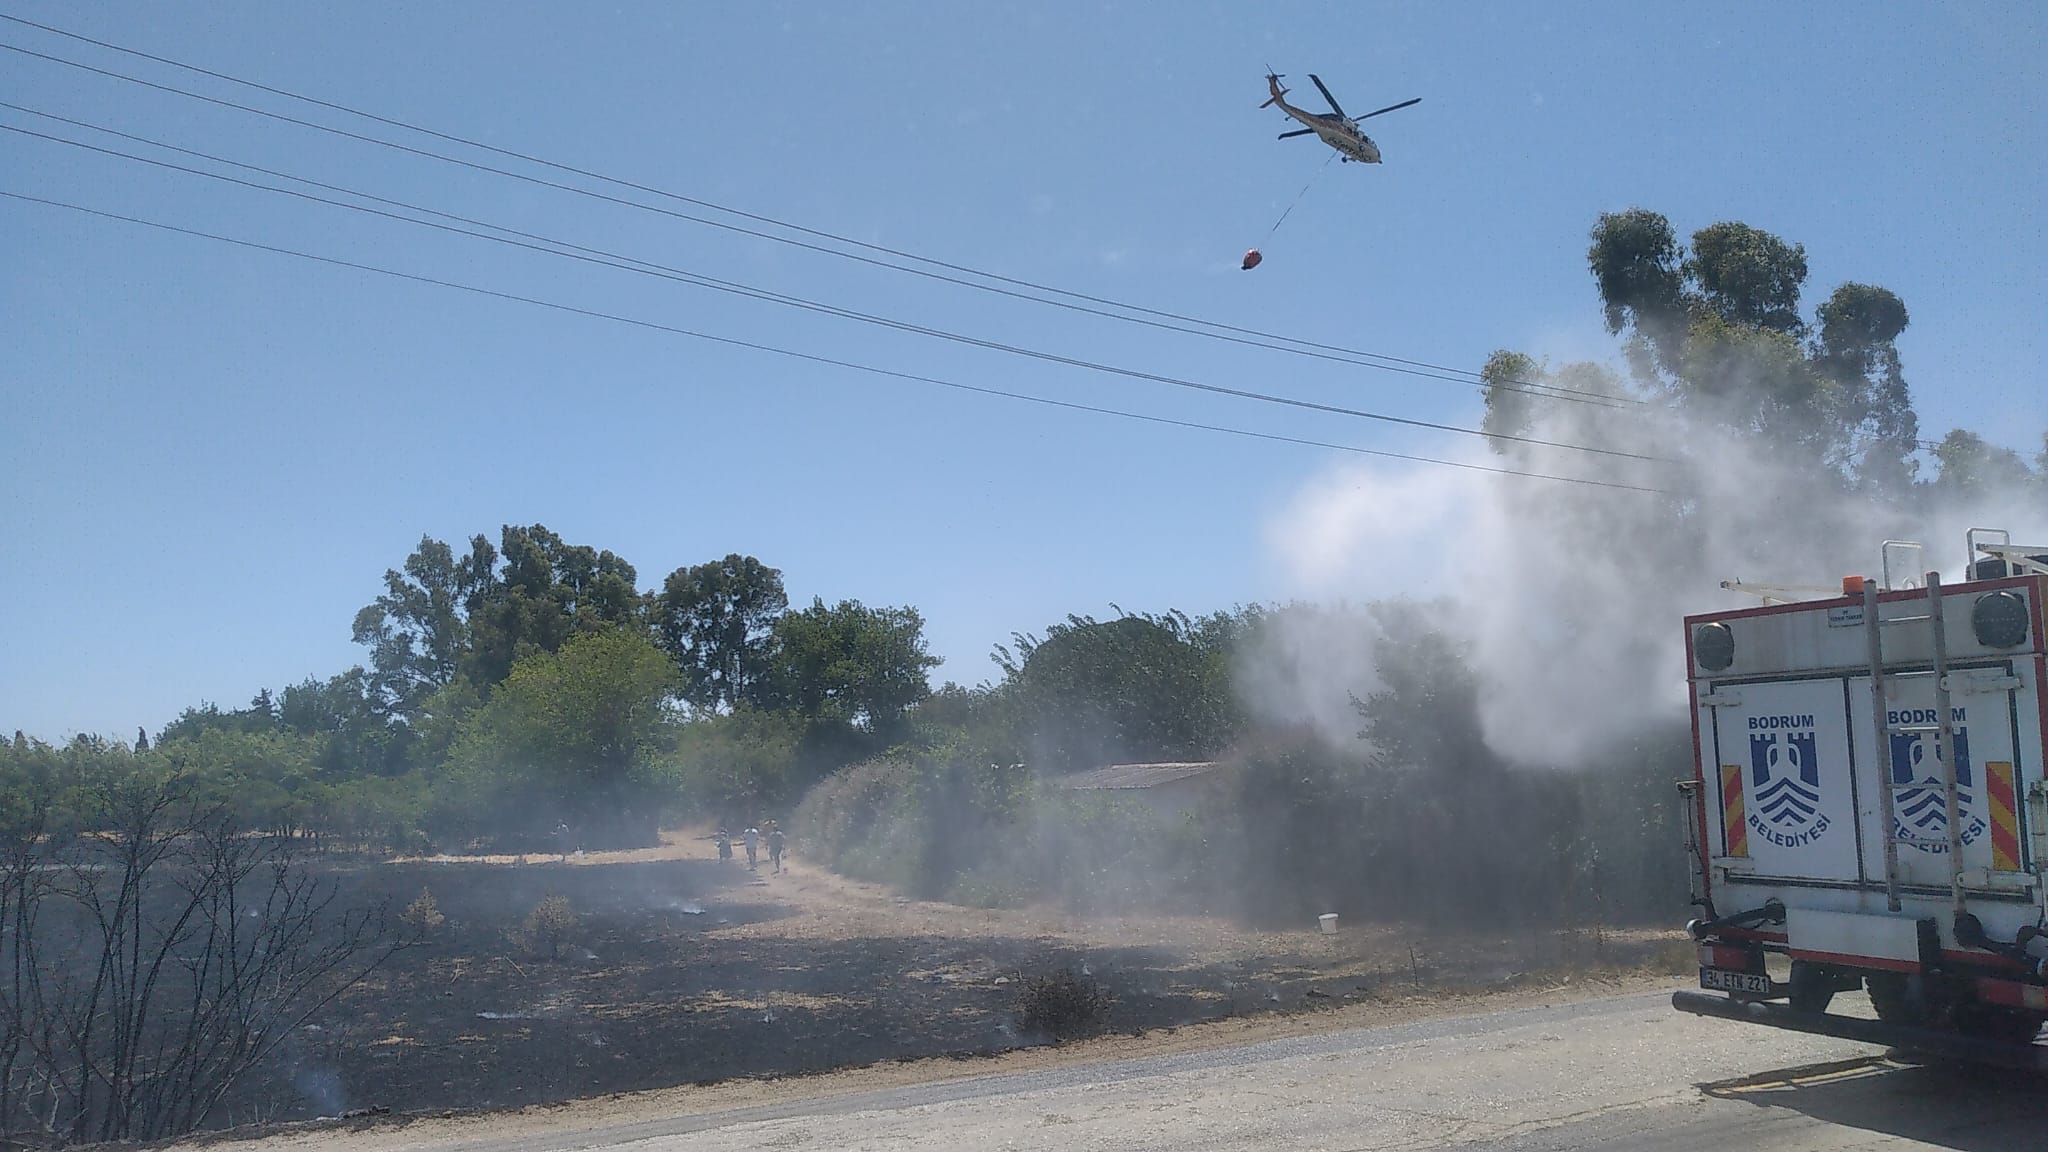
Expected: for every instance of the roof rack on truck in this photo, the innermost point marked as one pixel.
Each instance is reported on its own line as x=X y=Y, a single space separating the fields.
x=2004 y=558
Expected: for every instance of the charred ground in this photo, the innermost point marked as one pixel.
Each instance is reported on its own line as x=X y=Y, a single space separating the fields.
x=800 y=973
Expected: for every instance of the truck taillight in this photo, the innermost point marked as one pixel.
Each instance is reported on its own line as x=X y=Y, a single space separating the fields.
x=1713 y=646
x=1999 y=619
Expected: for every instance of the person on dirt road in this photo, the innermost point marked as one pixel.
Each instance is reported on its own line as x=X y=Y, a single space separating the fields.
x=753 y=838
x=775 y=845
x=724 y=845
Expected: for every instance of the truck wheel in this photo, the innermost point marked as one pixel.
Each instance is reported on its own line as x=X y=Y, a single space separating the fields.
x=1891 y=997
x=1812 y=987
x=2004 y=1026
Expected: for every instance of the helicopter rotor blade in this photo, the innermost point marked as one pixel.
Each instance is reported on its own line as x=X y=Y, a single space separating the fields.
x=1392 y=108
x=1334 y=106
x=1297 y=132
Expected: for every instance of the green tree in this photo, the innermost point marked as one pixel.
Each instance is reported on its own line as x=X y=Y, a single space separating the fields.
x=546 y=592
x=343 y=714
x=572 y=735
x=1855 y=350
x=261 y=777
x=1425 y=715
x=418 y=630
x=714 y=619
x=1510 y=405
x=740 y=764
x=1970 y=467
x=953 y=711
x=1639 y=269
x=1518 y=389
x=1146 y=687
x=851 y=663
x=259 y=717
x=1717 y=329
x=1757 y=381
x=1749 y=277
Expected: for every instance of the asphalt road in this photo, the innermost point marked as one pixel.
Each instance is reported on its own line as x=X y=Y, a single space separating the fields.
x=1622 y=1073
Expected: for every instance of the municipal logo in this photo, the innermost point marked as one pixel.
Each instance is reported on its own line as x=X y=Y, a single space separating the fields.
x=1920 y=806
x=1785 y=781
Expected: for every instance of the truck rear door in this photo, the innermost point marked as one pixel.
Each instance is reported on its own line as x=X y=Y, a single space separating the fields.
x=1982 y=702
x=1784 y=753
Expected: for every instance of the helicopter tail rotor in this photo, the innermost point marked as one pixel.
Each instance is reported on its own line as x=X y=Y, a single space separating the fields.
x=1273 y=85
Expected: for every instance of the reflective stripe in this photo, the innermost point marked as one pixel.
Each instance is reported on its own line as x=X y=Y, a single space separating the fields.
x=1732 y=811
x=2005 y=817
x=2013 y=994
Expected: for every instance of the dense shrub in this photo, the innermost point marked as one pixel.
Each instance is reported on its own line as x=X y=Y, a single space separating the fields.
x=1297 y=830
x=1066 y=1004
x=549 y=926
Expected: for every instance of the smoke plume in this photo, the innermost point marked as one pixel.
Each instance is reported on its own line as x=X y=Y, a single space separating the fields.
x=1568 y=596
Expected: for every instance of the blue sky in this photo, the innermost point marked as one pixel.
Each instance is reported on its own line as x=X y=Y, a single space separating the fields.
x=212 y=454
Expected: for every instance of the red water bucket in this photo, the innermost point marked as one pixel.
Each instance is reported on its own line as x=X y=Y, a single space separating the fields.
x=1251 y=259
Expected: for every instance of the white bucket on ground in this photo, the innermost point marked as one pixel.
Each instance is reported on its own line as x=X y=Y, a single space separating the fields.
x=1328 y=923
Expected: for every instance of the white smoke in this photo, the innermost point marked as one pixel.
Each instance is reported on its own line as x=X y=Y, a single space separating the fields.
x=1571 y=597
x=1307 y=666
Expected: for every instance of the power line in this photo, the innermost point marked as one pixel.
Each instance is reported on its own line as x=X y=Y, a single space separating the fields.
x=1253 y=339
x=647 y=268
x=1207 y=328
x=806 y=356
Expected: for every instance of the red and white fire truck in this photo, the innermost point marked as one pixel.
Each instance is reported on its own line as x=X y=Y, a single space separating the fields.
x=1870 y=805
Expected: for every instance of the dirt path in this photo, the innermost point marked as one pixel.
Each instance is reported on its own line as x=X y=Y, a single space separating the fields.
x=824 y=905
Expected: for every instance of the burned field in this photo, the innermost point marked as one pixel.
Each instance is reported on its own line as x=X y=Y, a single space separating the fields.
x=677 y=969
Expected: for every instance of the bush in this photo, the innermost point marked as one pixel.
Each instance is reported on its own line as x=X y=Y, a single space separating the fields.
x=992 y=886
x=1066 y=1005
x=423 y=915
x=842 y=812
x=738 y=764
x=1296 y=829
x=549 y=925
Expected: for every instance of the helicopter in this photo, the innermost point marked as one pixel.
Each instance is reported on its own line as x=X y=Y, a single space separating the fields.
x=1336 y=129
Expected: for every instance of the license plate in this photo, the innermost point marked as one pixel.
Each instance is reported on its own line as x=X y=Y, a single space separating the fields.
x=1724 y=980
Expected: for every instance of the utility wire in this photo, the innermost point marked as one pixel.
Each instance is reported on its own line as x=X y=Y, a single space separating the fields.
x=631 y=264
x=1208 y=328
x=806 y=356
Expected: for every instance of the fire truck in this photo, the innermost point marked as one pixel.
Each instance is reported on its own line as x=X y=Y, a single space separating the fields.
x=1869 y=805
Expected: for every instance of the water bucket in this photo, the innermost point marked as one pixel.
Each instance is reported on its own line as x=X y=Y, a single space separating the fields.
x=1328 y=923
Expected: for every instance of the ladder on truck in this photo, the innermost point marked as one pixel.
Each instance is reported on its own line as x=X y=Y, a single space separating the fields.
x=1943 y=730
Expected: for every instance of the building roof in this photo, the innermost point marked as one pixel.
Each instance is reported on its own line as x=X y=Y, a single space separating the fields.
x=1139 y=775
